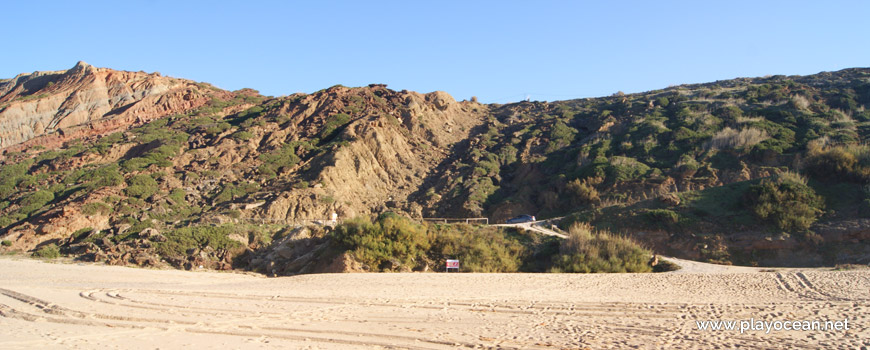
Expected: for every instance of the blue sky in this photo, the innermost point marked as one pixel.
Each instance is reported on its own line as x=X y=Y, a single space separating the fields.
x=499 y=51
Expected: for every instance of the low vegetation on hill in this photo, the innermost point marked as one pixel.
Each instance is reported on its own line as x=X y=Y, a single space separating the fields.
x=765 y=171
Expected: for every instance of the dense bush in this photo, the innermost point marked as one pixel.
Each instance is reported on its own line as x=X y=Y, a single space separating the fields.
x=786 y=201
x=585 y=251
x=478 y=249
x=389 y=238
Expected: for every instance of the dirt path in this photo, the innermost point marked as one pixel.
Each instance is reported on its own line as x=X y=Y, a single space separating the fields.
x=689 y=266
x=536 y=226
x=75 y=306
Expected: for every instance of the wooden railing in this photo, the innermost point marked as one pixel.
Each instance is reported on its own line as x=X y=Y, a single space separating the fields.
x=485 y=221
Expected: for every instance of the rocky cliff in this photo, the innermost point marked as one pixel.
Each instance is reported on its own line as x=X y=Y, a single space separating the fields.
x=86 y=100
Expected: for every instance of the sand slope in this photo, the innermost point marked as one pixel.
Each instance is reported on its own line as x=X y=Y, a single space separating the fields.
x=49 y=305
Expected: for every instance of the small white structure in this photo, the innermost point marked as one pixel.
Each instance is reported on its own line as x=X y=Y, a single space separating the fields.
x=452 y=264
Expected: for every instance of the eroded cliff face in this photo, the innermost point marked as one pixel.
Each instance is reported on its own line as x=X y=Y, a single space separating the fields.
x=385 y=155
x=85 y=101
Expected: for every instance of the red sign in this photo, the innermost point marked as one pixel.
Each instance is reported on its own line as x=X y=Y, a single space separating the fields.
x=452 y=264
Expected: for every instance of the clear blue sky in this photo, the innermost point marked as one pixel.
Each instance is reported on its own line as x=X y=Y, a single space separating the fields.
x=499 y=51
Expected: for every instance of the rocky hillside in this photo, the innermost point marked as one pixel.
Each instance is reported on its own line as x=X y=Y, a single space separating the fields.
x=143 y=169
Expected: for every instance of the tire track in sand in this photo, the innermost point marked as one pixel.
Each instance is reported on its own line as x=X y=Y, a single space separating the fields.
x=58 y=314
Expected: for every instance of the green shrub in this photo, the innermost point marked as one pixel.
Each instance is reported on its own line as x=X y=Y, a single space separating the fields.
x=332 y=124
x=480 y=189
x=786 y=201
x=177 y=195
x=242 y=135
x=50 y=251
x=486 y=168
x=141 y=186
x=662 y=102
x=35 y=201
x=80 y=233
x=585 y=251
x=6 y=243
x=6 y=221
x=662 y=217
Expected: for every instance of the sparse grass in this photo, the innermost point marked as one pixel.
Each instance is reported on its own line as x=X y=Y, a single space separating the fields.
x=94 y=208
x=729 y=138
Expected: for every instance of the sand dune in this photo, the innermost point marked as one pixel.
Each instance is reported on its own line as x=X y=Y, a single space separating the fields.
x=75 y=306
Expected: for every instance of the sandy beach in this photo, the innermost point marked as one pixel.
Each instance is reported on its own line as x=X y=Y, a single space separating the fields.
x=48 y=305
